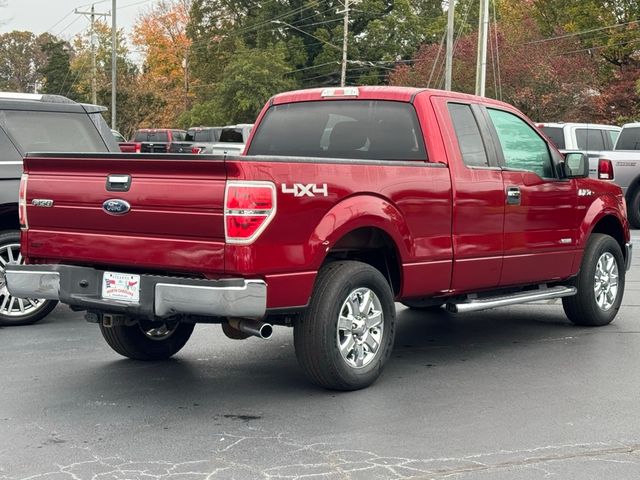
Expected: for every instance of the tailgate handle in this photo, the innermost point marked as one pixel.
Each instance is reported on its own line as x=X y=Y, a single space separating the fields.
x=118 y=183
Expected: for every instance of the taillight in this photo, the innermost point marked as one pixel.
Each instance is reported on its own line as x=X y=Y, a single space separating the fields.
x=248 y=209
x=196 y=150
x=605 y=169
x=22 y=202
x=138 y=147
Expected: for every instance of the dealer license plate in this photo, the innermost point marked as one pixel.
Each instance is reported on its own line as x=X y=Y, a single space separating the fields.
x=121 y=286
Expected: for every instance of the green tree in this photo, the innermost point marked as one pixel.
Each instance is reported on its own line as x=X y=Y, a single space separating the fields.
x=21 y=59
x=249 y=80
x=57 y=69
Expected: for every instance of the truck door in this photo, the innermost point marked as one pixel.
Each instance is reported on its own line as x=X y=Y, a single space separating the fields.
x=478 y=200
x=540 y=219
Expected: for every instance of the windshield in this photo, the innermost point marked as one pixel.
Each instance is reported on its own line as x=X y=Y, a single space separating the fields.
x=375 y=130
x=35 y=131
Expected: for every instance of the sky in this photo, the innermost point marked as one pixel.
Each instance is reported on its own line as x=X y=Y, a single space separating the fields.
x=57 y=17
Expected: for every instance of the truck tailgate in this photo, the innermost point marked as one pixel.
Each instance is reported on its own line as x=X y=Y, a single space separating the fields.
x=174 y=220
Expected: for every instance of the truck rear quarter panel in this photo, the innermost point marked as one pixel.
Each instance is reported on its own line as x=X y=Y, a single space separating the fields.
x=410 y=203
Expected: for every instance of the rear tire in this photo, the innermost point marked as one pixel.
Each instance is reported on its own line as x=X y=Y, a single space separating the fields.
x=345 y=336
x=600 y=284
x=633 y=209
x=148 y=340
x=14 y=311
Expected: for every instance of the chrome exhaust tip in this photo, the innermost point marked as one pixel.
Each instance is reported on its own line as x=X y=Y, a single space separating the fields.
x=252 y=327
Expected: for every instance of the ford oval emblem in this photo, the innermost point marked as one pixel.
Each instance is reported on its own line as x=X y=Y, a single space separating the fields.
x=116 y=206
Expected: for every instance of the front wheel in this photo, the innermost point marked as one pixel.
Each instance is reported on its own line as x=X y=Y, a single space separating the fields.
x=148 y=340
x=600 y=283
x=345 y=336
x=13 y=310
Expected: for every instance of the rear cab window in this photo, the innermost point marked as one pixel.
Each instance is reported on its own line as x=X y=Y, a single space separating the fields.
x=346 y=129
x=151 y=137
x=41 y=131
x=556 y=135
x=629 y=139
x=470 y=141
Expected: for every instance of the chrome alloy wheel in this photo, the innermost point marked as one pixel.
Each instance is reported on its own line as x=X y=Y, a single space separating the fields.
x=605 y=286
x=11 y=306
x=158 y=332
x=360 y=327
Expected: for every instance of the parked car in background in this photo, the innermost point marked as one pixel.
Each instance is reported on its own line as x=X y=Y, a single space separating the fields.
x=156 y=140
x=199 y=135
x=36 y=123
x=231 y=141
x=591 y=138
x=622 y=166
x=414 y=195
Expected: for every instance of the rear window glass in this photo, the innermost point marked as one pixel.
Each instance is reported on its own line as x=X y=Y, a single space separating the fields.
x=614 y=134
x=231 y=135
x=202 y=136
x=367 y=129
x=468 y=134
x=556 y=135
x=589 y=139
x=629 y=139
x=151 y=137
x=37 y=131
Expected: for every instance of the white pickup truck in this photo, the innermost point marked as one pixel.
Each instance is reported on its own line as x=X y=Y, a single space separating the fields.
x=622 y=165
x=231 y=142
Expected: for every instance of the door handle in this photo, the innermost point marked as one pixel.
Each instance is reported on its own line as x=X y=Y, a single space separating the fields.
x=118 y=183
x=513 y=196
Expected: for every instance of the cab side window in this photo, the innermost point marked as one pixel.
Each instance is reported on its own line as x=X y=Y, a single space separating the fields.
x=522 y=147
x=468 y=134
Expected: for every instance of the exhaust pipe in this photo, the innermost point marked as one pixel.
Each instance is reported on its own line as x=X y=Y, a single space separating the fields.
x=250 y=327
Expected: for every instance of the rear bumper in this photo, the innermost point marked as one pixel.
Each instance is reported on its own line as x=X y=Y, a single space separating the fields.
x=160 y=296
x=628 y=254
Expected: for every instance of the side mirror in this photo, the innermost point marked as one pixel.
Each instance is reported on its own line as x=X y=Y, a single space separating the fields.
x=575 y=165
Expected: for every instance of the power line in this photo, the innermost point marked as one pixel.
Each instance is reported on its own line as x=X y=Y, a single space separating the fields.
x=574 y=34
x=600 y=47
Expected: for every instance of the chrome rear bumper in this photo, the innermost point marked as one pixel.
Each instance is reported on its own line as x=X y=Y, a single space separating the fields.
x=160 y=296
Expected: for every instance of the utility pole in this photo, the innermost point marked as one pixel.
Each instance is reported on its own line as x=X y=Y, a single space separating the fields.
x=92 y=18
x=345 y=38
x=483 y=29
x=449 y=57
x=345 y=41
x=114 y=45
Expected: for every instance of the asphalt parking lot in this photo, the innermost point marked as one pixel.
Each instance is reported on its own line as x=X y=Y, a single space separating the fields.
x=508 y=393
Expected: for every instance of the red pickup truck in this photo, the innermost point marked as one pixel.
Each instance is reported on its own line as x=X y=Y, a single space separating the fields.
x=345 y=201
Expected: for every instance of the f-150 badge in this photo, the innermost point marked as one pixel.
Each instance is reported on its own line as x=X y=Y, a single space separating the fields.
x=585 y=192
x=302 y=190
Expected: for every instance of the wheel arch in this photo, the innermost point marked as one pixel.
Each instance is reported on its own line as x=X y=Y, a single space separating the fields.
x=366 y=228
x=607 y=221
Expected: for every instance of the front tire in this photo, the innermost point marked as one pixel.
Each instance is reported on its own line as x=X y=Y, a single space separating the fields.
x=345 y=336
x=17 y=311
x=148 y=340
x=600 y=284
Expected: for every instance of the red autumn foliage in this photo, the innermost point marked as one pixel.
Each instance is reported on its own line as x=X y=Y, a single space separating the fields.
x=548 y=80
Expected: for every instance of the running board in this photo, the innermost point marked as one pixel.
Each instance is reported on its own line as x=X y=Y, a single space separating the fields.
x=477 y=304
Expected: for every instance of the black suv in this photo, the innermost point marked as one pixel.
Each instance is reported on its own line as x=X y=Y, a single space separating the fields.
x=37 y=123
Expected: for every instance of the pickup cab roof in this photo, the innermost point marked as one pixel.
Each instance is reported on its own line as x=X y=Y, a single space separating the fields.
x=392 y=93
